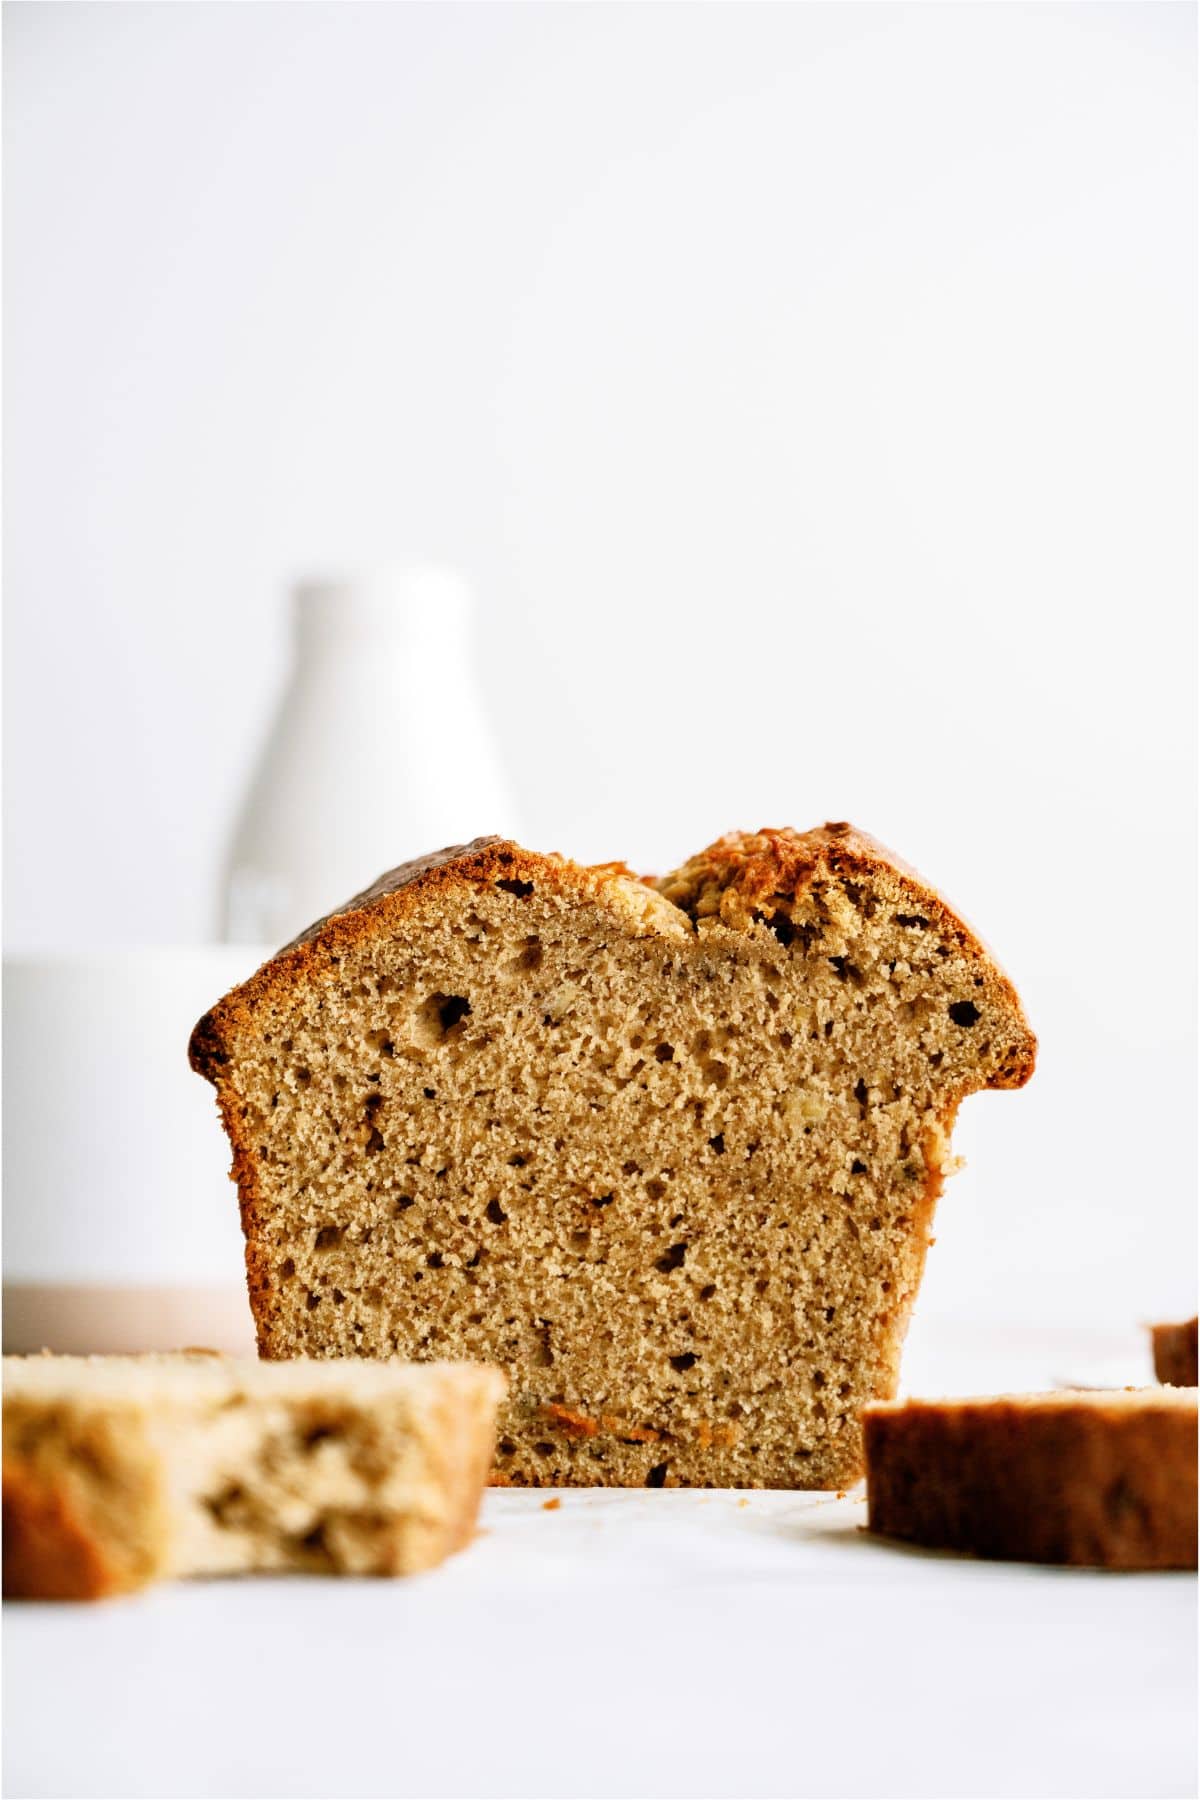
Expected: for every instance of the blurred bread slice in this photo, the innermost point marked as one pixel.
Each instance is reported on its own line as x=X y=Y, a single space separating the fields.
x=120 y=1470
x=1103 y=1479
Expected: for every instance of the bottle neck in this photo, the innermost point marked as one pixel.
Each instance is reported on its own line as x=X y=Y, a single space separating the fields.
x=414 y=614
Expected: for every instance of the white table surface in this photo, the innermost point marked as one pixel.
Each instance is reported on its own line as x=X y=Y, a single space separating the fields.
x=674 y=1643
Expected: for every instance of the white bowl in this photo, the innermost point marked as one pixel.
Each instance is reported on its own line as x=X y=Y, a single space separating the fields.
x=120 y=1223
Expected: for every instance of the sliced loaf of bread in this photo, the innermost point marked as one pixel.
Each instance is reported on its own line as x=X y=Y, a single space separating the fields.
x=1104 y=1479
x=666 y=1151
x=119 y=1470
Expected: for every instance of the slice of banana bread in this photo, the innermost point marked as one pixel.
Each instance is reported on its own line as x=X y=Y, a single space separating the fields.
x=1102 y=1479
x=669 y=1152
x=1175 y=1353
x=118 y=1470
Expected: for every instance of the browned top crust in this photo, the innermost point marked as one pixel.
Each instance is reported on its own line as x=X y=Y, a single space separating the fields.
x=399 y=877
x=746 y=873
x=742 y=878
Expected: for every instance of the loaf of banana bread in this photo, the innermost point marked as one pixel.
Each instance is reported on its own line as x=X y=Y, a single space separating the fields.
x=667 y=1151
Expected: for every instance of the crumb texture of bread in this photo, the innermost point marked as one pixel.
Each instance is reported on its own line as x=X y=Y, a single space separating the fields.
x=667 y=1152
x=1097 y=1479
x=1175 y=1353
x=122 y=1470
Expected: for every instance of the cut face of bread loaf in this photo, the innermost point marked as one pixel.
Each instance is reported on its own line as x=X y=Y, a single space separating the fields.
x=668 y=1152
x=120 y=1470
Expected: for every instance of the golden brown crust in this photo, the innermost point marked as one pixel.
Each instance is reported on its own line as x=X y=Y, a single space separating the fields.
x=745 y=876
x=50 y=1551
x=740 y=875
x=405 y=875
x=1093 y=1479
x=1175 y=1353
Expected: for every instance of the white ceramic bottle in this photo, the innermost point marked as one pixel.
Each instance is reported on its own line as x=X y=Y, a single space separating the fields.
x=380 y=751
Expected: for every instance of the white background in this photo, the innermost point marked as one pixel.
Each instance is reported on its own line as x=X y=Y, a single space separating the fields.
x=809 y=393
